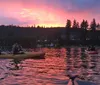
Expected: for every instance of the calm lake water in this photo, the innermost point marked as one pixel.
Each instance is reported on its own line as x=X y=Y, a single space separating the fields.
x=52 y=70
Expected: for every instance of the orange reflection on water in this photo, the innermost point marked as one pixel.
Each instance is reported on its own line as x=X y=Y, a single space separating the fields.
x=52 y=70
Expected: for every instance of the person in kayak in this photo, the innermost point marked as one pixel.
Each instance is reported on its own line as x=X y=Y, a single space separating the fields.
x=17 y=49
x=20 y=49
x=91 y=48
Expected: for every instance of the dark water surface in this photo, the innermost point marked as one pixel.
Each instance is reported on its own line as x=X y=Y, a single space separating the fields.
x=53 y=69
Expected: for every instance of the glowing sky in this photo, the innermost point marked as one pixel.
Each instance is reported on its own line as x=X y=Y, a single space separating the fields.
x=47 y=12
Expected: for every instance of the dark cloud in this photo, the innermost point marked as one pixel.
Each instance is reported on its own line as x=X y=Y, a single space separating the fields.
x=74 y=5
x=10 y=20
x=86 y=4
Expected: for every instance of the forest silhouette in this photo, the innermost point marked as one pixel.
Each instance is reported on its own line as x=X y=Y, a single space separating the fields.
x=72 y=34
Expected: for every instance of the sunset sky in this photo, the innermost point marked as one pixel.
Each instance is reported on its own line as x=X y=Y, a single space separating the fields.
x=47 y=12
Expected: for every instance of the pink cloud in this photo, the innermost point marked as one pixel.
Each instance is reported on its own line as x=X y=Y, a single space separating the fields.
x=48 y=13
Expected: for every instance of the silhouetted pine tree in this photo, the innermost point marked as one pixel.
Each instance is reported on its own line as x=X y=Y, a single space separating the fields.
x=75 y=24
x=93 y=25
x=98 y=25
x=68 y=24
x=84 y=24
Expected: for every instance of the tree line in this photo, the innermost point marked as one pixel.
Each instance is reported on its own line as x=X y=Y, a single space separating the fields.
x=84 y=24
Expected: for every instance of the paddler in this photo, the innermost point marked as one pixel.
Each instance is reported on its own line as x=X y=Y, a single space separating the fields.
x=15 y=48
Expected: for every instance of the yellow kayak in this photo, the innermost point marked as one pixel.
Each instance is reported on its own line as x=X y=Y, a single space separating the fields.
x=26 y=55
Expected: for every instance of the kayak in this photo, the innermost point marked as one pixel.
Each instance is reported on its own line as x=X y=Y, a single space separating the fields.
x=91 y=52
x=37 y=55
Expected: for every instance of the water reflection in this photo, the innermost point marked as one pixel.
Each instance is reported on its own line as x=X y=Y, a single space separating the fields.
x=53 y=70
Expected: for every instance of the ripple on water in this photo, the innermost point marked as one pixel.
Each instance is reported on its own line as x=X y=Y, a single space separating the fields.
x=49 y=71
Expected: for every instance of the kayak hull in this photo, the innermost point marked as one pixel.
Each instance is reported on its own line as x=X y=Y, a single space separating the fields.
x=37 y=55
x=91 y=52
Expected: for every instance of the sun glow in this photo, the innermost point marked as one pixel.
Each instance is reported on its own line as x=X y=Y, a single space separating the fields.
x=50 y=25
x=41 y=17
